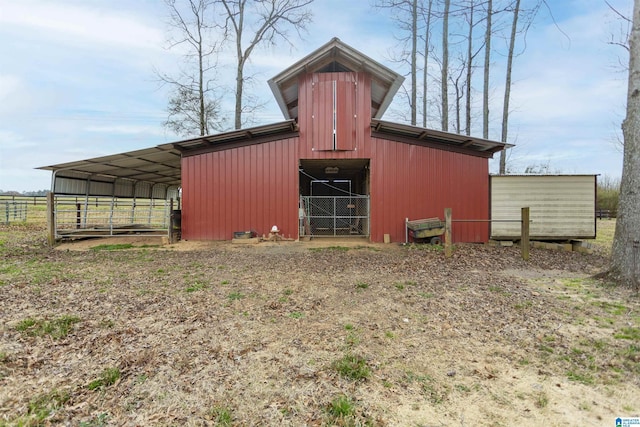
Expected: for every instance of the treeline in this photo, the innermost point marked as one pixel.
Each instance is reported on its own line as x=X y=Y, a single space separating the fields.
x=38 y=193
x=608 y=193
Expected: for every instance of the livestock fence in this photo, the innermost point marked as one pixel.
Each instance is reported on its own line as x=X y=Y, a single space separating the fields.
x=13 y=211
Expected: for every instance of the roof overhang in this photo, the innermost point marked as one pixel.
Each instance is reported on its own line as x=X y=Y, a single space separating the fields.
x=162 y=164
x=156 y=165
x=336 y=56
x=437 y=139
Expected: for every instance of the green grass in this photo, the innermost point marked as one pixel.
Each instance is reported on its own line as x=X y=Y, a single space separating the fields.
x=330 y=249
x=107 y=378
x=296 y=315
x=56 y=328
x=112 y=247
x=234 y=296
x=628 y=333
x=580 y=377
x=221 y=416
x=197 y=286
x=43 y=405
x=352 y=367
x=611 y=308
x=362 y=285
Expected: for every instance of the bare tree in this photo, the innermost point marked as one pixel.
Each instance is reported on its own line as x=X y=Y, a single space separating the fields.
x=260 y=22
x=445 y=66
x=487 y=64
x=194 y=103
x=507 y=86
x=425 y=69
x=625 y=255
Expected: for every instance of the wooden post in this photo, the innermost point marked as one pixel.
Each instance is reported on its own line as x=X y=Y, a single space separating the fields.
x=447 y=233
x=524 y=234
x=51 y=219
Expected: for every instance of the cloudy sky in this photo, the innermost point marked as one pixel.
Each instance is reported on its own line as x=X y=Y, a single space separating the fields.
x=77 y=81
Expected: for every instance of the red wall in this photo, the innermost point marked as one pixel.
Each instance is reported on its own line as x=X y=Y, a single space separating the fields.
x=257 y=186
x=241 y=189
x=414 y=182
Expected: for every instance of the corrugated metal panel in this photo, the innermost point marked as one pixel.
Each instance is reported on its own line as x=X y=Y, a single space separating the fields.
x=97 y=188
x=123 y=188
x=561 y=206
x=248 y=188
x=415 y=182
x=70 y=186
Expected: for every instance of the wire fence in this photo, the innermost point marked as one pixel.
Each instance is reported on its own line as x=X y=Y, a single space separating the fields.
x=334 y=215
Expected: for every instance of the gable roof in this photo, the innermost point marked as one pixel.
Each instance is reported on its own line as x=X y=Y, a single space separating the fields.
x=336 y=56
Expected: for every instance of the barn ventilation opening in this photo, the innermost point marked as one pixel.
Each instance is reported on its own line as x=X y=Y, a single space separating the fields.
x=334 y=198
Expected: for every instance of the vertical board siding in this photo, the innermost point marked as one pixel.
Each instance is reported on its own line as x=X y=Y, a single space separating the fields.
x=418 y=182
x=241 y=189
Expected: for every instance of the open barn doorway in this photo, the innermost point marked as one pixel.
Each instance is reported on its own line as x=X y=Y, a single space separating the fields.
x=334 y=198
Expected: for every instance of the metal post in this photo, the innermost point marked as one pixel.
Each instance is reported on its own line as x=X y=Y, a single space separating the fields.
x=112 y=206
x=6 y=212
x=524 y=234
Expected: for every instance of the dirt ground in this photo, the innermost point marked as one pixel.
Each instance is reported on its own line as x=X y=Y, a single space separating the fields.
x=309 y=334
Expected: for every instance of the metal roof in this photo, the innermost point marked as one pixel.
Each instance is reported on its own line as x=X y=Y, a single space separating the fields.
x=161 y=164
x=437 y=139
x=336 y=56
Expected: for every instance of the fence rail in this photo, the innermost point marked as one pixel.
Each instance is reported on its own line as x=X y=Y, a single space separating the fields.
x=11 y=211
x=111 y=217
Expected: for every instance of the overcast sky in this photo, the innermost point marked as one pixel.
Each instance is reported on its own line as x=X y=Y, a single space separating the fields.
x=77 y=81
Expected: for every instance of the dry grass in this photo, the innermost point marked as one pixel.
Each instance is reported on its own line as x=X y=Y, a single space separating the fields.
x=277 y=334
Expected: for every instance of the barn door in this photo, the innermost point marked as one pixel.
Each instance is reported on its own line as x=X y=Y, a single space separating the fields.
x=334 y=115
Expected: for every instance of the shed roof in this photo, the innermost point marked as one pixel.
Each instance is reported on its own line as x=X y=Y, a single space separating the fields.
x=336 y=56
x=438 y=139
x=161 y=164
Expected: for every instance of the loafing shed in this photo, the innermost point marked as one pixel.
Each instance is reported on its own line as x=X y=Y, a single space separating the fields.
x=333 y=167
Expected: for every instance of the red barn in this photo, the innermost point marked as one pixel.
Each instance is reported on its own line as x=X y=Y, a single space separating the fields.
x=335 y=168
x=332 y=168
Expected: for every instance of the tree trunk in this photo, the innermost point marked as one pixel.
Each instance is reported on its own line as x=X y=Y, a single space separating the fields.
x=507 y=88
x=414 y=61
x=425 y=71
x=625 y=255
x=203 y=117
x=467 y=111
x=445 y=66
x=487 y=63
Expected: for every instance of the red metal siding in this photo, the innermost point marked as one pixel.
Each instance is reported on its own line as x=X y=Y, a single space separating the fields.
x=415 y=182
x=257 y=186
x=247 y=188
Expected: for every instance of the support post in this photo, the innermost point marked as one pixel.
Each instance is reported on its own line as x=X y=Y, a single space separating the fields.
x=51 y=219
x=447 y=233
x=171 y=222
x=524 y=234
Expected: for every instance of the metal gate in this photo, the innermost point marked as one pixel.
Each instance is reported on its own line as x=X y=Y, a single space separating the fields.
x=334 y=215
